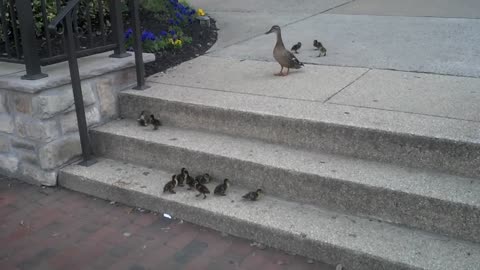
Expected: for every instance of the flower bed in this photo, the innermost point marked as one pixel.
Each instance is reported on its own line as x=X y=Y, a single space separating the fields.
x=172 y=32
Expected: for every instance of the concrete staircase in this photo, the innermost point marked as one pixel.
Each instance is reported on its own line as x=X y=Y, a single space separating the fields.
x=343 y=185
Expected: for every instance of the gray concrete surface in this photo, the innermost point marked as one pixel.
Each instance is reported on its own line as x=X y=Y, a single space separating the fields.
x=434 y=45
x=443 y=96
x=403 y=138
x=59 y=74
x=416 y=198
x=413 y=8
x=316 y=83
x=357 y=243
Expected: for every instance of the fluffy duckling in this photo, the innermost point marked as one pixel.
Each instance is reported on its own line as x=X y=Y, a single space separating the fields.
x=202 y=189
x=170 y=186
x=296 y=47
x=318 y=46
x=222 y=188
x=203 y=179
x=190 y=181
x=155 y=122
x=143 y=120
x=285 y=58
x=182 y=177
x=253 y=196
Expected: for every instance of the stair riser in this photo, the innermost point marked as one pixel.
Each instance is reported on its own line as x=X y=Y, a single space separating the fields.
x=404 y=149
x=397 y=207
x=283 y=240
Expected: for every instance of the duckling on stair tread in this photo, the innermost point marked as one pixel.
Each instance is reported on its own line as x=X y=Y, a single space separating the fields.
x=182 y=177
x=170 y=185
x=253 y=195
x=202 y=189
x=203 y=179
x=222 y=188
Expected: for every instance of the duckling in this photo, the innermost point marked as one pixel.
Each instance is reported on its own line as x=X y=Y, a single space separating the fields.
x=296 y=47
x=182 y=177
x=202 y=189
x=253 y=196
x=318 y=46
x=203 y=179
x=143 y=120
x=285 y=58
x=222 y=188
x=189 y=180
x=170 y=185
x=155 y=122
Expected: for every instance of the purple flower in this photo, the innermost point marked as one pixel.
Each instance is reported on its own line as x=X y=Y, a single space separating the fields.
x=193 y=11
x=172 y=32
x=171 y=21
x=128 y=33
x=179 y=16
x=147 y=35
x=163 y=33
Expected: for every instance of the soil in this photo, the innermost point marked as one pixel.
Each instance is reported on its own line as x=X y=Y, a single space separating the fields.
x=203 y=39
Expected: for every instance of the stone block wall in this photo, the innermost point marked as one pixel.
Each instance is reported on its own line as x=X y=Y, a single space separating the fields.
x=38 y=124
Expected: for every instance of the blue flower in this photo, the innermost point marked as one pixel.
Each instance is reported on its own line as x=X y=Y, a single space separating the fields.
x=190 y=21
x=173 y=2
x=193 y=11
x=179 y=16
x=172 y=32
x=163 y=33
x=177 y=22
x=147 y=35
x=128 y=33
x=171 y=21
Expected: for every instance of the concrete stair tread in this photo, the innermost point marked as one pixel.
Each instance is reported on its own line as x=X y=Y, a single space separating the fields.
x=173 y=87
x=300 y=228
x=420 y=182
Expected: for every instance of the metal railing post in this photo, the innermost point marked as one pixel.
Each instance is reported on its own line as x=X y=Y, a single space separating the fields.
x=77 y=91
x=29 y=42
x=137 y=46
x=117 y=29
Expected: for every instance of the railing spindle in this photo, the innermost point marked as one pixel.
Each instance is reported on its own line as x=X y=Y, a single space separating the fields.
x=117 y=29
x=3 y=13
x=137 y=45
x=30 y=48
x=45 y=26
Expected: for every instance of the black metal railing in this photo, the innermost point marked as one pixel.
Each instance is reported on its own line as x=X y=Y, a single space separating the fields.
x=27 y=39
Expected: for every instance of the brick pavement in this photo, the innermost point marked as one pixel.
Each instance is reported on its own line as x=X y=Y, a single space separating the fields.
x=54 y=228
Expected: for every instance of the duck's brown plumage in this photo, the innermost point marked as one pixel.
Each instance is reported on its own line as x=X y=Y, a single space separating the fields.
x=202 y=189
x=285 y=58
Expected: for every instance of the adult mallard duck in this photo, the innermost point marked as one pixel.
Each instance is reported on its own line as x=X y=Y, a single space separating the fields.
x=285 y=58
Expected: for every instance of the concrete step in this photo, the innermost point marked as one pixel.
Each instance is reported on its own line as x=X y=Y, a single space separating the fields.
x=421 y=141
x=417 y=198
x=358 y=243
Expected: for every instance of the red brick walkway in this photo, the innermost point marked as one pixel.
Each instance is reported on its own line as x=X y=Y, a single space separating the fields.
x=54 y=228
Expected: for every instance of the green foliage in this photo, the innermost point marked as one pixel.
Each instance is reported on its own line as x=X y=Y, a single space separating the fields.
x=156 y=6
x=87 y=8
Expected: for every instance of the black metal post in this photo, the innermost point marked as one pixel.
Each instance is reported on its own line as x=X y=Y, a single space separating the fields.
x=77 y=92
x=137 y=46
x=29 y=43
x=117 y=30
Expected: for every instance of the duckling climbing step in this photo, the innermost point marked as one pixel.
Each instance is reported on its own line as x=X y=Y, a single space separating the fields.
x=413 y=197
x=357 y=243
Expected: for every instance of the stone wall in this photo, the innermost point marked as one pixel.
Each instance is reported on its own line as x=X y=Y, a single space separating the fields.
x=38 y=125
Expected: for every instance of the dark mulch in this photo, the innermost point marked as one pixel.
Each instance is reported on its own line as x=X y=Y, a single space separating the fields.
x=203 y=39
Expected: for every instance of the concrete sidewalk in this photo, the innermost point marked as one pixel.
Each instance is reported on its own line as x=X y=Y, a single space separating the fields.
x=369 y=51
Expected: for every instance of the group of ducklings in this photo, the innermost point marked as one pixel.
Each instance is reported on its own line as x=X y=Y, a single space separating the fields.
x=146 y=118
x=316 y=44
x=199 y=184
